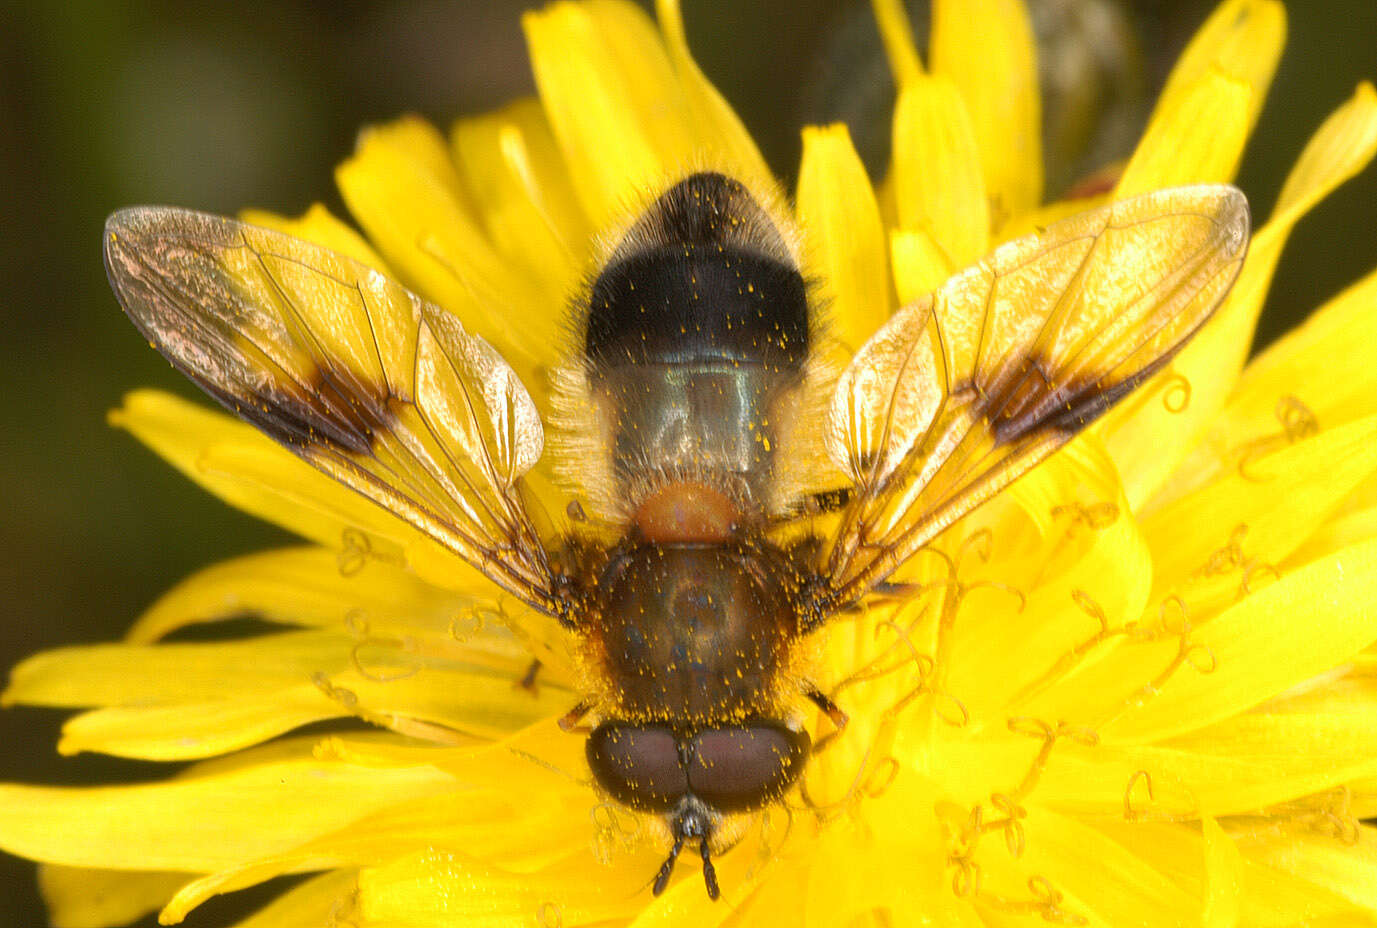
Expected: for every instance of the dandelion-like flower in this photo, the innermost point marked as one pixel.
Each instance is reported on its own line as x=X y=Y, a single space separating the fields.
x=1135 y=688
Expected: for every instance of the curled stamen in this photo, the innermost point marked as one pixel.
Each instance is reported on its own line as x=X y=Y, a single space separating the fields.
x=1176 y=393
x=881 y=778
x=342 y=695
x=473 y=621
x=1342 y=826
x=769 y=844
x=827 y=811
x=1102 y=515
x=1199 y=656
x=1090 y=607
x=377 y=676
x=922 y=661
x=402 y=725
x=1036 y=728
x=1329 y=814
x=964 y=590
x=1255 y=451
x=875 y=668
x=610 y=833
x=962 y=716
x=965 y=882
x=356 y=622
x=1011 y=824
x=980 y=542
x=1182 y=612
x=1043 y=890
x=548 y=915
x=1096 y=516
x=1026 y=725
x=1202 y=658
x=343 y=910
x=1046 y=902
x=609 y=817
x=1139 y=776
x=1070 y=658
x=1085 y=737
x=1050 y=900
x=1297 y=420
x=1245 y=586
x=355 y=550
x=1227 y=558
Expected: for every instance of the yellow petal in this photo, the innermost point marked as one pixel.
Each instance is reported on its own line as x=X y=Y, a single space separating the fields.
x=1110 y=880
x=1316 y=376
x=1173 y=150
x=1243 y=40
x=713 y=119
x=986 y=48
x=1347 y=870
x=628 y=116
x=445 y=888
x=516 y=178
x=403 y=189
x=1355 y=525
x=1091 y=570
x=249 y=471
x=845 y=241
x=83 y=898
x=120 y=674
x=319 y=225
x=311 y=904
x=1271 y=898
x=524 y=830
x=889 y=831
x=1259 y=649
x=938 y=186
x=920 y=264
x=1223 y=877
x=1037 y=220
x=1235 y=767
x=308 y=586
x=1322 y=362
x=421 y=703
x=1278 y=756
x=366 y=599
x=191 y=731
x=1340 y=148
x=1279 y=502
x=201 y=823
x=173 y=702
x=897 y=34
x=1151 y=432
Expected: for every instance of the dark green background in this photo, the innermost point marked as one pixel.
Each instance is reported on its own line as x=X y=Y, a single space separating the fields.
x=106 y=103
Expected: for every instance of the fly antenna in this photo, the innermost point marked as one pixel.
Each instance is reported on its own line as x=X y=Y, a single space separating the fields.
x=709 y=871
x=666 y=868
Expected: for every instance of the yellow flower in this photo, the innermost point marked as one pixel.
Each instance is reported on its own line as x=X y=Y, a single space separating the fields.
x=1138 y=688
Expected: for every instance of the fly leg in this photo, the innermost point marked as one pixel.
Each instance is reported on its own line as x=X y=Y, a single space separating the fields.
x=569 y=722
x=834 y=713
x=528 y=679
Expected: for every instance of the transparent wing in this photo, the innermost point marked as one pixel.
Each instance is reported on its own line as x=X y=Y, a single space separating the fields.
x=962 y=392
x=347 y=369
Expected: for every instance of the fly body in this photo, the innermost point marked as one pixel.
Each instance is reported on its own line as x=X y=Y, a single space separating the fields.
x=690 y=570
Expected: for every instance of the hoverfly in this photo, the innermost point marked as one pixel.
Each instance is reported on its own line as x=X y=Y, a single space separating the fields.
x=689 y=605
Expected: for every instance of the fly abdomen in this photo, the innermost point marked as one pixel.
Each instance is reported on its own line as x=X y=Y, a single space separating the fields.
x=697 y=328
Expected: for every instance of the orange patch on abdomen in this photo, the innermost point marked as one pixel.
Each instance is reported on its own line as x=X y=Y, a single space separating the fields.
x=688 y=513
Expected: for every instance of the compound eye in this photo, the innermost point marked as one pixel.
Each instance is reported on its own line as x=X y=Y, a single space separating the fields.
x=638 y=765
x=746 y=766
